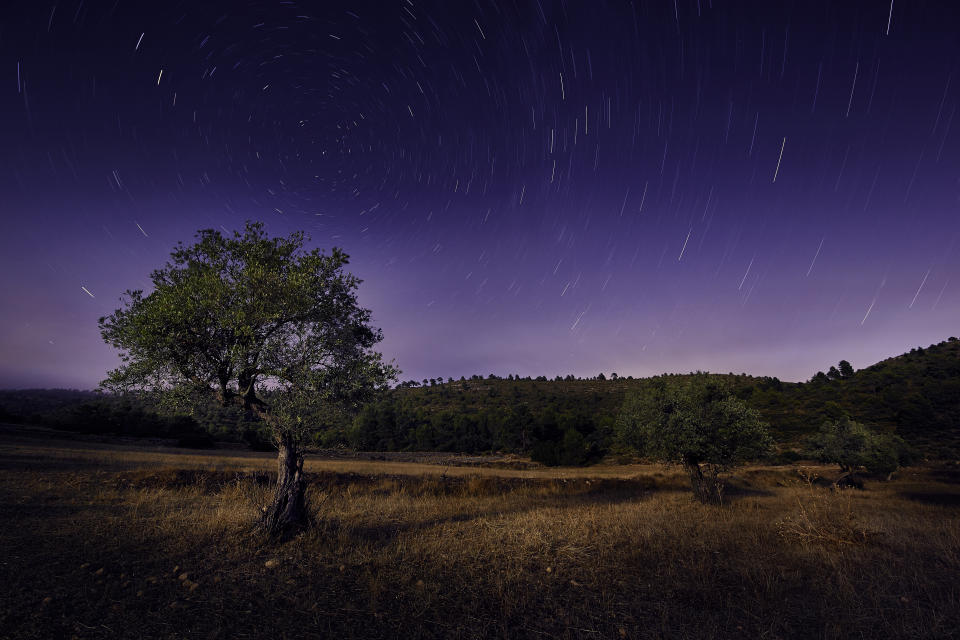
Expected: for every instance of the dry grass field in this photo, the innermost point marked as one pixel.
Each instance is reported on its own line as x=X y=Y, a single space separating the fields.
x=102 y=540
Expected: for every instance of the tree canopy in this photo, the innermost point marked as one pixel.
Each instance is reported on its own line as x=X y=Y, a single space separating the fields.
x=695 y=421
x=852 y=445
x=256 y=321
x=235 y=315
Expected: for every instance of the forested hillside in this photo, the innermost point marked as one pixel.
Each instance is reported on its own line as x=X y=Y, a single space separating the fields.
x=564 y=420
x=916 y=395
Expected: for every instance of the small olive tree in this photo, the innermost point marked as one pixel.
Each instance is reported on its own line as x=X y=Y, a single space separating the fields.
x=854 y=446
x=258 y=322
x=697 y=422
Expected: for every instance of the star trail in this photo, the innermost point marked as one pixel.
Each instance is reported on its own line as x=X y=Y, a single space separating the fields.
x=532 y=188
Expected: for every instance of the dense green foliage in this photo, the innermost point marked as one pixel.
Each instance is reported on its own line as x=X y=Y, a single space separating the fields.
x=247 y=315
x=695 y=421
x=852 y=446
x=915 y=395
x=401 y=423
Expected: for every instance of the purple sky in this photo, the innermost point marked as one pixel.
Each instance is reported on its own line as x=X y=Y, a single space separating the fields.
x=525 y=187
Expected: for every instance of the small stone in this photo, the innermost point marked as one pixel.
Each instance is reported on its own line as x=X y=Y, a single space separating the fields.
x=342 y=568
x=183 y=576
x=139 y=594
x=549 y=569
x=271 y=563
x=176 y=569
x=419 y=583
x=47 y=600
x=85 y=565
x=99 y=572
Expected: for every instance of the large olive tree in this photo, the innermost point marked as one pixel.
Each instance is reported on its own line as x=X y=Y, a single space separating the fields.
x=695 y=421
x=259 y=322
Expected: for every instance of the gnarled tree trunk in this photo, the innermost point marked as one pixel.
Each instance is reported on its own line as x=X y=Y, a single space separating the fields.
x=707 y=488
x=288 y=511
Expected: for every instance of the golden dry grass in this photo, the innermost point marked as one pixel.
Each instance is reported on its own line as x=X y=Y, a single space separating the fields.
x=101 y=541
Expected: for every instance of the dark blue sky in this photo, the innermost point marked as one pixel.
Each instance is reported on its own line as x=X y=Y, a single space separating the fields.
x=525 y=187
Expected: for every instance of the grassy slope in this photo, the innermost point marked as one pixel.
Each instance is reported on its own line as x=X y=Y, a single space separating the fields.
x=133 y=543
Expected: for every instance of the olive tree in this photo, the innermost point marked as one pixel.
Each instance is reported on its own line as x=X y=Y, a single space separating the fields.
x=853 y=446
x=697 y=422
x=258 y=322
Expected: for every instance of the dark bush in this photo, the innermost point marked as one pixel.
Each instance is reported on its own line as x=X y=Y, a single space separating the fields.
x=257 y=440
x=199 y=440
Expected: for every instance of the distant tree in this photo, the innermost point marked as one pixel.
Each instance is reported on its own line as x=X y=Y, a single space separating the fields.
x=834 y=374
x=853 y=446
x=600 y=376
x=819 y=376
x=261 y=323
x=515 y=428
x=614 y=376
x=846 y=369
x=697 y=422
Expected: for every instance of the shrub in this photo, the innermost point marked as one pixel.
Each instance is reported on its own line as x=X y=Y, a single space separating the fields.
x=854 y=446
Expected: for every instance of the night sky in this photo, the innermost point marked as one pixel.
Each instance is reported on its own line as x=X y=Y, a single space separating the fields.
x=527 y=187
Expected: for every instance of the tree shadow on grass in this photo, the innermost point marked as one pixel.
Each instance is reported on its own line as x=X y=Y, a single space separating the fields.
x=387 y=532
x=936 y=498
x=737 y=489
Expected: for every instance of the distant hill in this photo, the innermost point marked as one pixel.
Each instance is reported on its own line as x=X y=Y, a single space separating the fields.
x=916 y=394
x=32 y=404
x=567 y=419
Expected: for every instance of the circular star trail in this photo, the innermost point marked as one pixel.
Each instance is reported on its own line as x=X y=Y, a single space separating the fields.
x=525 y=187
